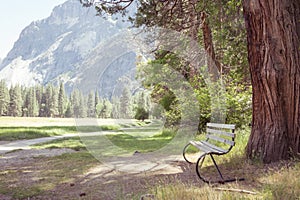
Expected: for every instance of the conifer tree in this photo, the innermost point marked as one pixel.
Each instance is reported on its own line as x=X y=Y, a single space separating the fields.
x=15 y=103
x=97 y=101
x=30 y=105
x=4 y=98
x=115 y=108
x=125 y=104
x=61 y=100
x=91 y=105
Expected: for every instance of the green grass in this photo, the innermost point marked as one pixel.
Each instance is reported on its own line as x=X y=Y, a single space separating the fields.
x=87 y=129
x=22 y=133
x=72 y=143
x=140 y=142
x=125 y=141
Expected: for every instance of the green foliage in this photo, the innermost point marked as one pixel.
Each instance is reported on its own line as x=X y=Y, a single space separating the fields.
x=62 y=101
x=30 y=106
x=104 y=108
x=91 y=111
x=125 y=104
x=15 y=103
x=141 y=114
x=4 y=98
x=239 y=101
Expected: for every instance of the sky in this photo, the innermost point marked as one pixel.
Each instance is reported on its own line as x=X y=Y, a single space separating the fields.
x=15 y=15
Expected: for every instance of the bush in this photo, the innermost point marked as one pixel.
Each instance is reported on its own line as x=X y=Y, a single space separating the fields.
x=141 y=114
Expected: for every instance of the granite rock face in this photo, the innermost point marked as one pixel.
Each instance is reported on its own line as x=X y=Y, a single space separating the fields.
x=71 y=46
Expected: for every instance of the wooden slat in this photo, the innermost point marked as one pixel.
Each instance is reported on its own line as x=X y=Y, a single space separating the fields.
x=207 y=148
x=214 y=147
x=209 y=130
x=213 y=137
x=199 y=146
x=226 y=126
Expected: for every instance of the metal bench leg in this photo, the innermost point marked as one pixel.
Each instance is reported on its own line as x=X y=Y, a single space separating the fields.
x=184 y=151
x=199 y=165
x=217 y=167
x=222 y=181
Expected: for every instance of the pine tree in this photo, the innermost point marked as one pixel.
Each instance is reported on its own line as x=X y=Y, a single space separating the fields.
x=78 y=103
x=125 y=101
x=30 y=106
x=39 y=93
x=82 y=105
x=61 y=100
x=97 y=100
x=107 y=109
x=4 y=98
x=115 y=108
x=99 y=108
x=69 y=112
x=91 y=105
x=43 y=111
x=54 y=102
x=15 y=103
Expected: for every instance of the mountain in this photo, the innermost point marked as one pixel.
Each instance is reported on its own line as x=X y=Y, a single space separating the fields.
x=75 y=46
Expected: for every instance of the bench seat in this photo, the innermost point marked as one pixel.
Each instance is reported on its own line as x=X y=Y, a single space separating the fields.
x=219 y=140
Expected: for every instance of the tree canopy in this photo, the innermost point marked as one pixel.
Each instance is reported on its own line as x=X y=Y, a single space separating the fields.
x=272 y=29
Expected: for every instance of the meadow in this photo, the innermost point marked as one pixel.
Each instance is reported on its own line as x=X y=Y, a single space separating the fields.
x=78 y=175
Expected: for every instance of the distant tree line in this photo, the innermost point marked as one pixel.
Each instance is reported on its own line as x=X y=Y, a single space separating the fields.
x=52 y=101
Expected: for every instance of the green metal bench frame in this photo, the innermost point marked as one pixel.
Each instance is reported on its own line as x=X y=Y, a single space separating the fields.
x=219 y=141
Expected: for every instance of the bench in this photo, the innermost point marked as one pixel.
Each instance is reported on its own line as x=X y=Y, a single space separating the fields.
x=219 y=140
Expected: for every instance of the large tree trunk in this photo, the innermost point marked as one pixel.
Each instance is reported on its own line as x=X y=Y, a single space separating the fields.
x=273 y=32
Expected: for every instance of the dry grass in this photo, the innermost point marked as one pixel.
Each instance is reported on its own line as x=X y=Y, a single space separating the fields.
x=55 y=176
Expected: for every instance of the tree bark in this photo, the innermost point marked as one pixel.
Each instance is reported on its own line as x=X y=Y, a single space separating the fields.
x=273 y=32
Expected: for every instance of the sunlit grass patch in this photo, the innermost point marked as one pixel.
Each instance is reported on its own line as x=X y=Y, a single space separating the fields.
x=71 y=143
x=142 y=144
x=21 y=133
x=86 y=129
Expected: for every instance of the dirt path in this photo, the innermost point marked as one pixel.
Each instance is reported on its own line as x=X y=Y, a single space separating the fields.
x=123 y=181
x=25 y=144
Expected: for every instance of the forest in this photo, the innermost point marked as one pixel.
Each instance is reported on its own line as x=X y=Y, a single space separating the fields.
x=52 y=101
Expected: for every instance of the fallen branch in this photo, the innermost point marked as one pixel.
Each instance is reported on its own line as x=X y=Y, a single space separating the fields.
x=235 y=190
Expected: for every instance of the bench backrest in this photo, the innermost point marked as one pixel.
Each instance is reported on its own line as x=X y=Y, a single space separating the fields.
x=222 y=134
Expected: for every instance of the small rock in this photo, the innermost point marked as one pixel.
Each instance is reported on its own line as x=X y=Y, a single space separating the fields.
x=136 y=152
x=82 y=194
x=147 y=197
